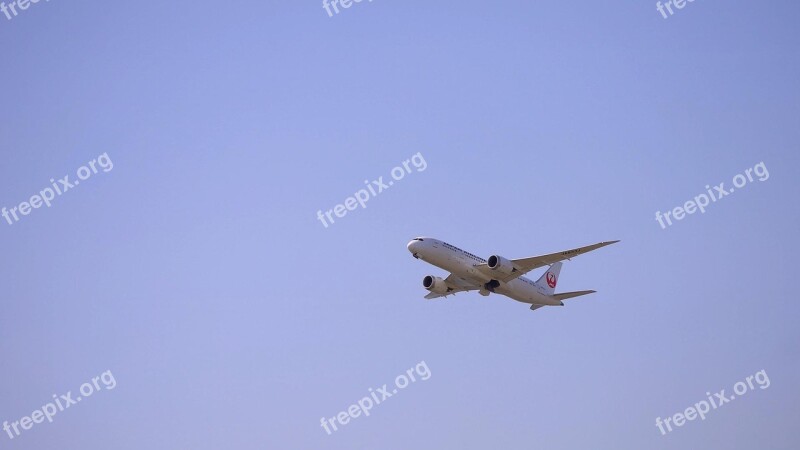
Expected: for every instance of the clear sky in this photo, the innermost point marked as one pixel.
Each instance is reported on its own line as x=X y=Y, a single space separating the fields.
x=197 y=272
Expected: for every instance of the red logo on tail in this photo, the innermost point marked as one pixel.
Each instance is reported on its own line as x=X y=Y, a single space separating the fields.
x=551 y=280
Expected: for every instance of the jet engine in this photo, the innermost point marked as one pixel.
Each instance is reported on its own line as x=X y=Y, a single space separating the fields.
x=500 y=265
x=434 y=284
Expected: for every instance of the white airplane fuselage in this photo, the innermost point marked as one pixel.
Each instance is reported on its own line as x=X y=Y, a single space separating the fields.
x=462 y=264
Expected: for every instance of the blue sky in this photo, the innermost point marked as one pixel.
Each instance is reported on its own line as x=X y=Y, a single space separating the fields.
x=197 y=272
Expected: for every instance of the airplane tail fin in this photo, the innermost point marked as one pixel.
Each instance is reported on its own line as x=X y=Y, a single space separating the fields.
x=549 y=279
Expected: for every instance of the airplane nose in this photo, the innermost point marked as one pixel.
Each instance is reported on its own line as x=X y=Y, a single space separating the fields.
x=414 y=247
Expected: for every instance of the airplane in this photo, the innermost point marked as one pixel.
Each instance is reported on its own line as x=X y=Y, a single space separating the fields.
x=497 y=274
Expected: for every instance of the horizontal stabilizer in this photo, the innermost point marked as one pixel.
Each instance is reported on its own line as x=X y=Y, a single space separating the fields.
x=566 y=295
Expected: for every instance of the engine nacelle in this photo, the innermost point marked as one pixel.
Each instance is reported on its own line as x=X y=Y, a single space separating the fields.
x=500 y=265
x=434 y=284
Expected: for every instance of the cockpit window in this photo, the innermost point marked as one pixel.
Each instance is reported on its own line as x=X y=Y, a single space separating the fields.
x=418 y=239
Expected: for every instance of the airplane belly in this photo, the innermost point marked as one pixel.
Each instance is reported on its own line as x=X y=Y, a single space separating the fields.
x=525 y=293
x=449 y=263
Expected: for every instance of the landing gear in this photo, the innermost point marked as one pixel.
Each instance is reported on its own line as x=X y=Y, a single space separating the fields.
x=491 y=286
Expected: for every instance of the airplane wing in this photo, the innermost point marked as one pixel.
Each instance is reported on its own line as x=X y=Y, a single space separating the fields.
x=525 y=265
x=457 y=284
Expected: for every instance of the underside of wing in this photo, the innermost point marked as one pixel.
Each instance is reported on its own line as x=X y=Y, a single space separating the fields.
x=522 y=266
x=454 y=285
